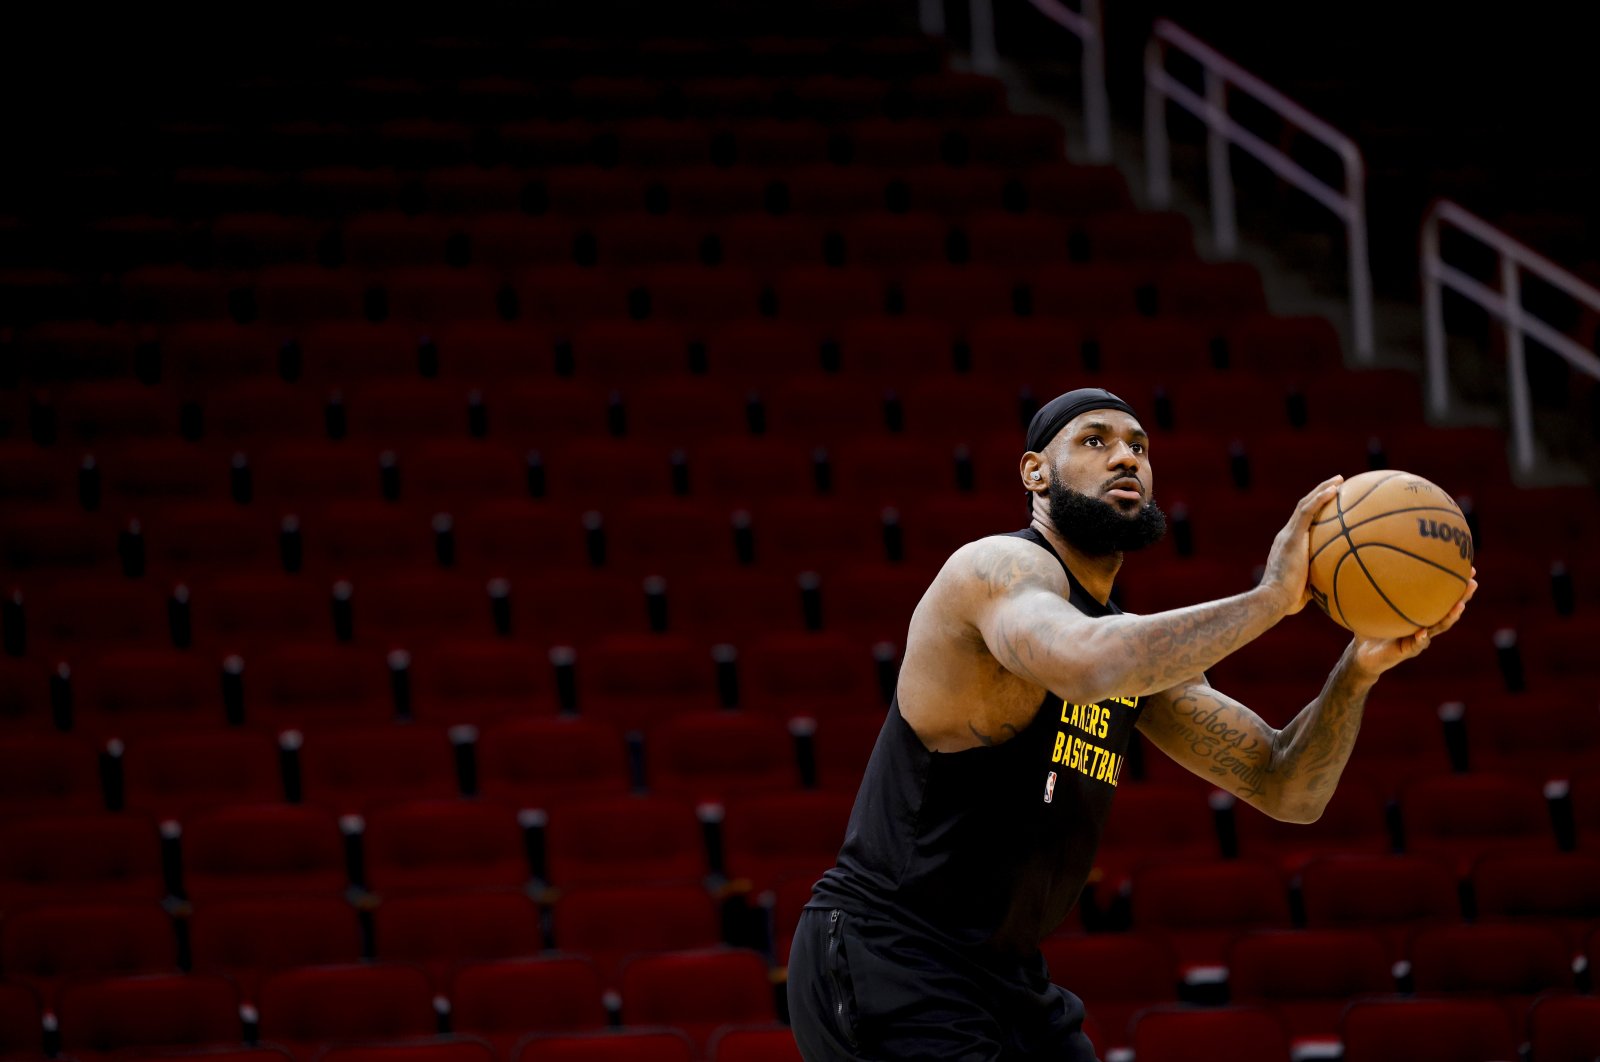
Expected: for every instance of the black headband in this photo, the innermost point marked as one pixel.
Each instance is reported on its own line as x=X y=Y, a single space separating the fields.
x=1056 y=413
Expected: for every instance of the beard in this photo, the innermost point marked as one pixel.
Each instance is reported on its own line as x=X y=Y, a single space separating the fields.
x=1099 y=527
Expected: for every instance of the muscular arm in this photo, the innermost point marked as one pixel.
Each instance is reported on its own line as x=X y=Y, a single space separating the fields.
x=1289 y=774
x=1020 y=610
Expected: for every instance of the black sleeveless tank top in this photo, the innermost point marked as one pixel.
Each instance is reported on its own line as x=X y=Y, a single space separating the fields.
x=986 y=849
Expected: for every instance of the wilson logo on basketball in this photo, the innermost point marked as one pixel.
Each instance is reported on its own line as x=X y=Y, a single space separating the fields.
x=1445 y=533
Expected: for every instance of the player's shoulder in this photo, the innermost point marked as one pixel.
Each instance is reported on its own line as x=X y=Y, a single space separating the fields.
x=1004 y=564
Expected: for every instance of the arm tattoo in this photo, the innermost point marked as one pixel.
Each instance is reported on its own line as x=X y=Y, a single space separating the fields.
x=1163 y=649
x=1290 y=773
x=1310 y=752
x=989 y=739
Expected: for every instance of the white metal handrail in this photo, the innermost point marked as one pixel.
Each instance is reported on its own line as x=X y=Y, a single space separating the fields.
x=1512 y=260
x=1348 y=203
x=1086 y=25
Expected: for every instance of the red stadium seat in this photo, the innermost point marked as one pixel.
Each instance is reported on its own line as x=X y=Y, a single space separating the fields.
x=177 y=774
x=635 y=681
x=315 y=685
x=621 y=352
x=251 y=937
x=893 y=243
x=960 y=295
x=1083 y=292
x=380 y=239
x=505 y=1000
x=348 y=770
x=411 y=1049
x=1024 y=350
x=718 y=755
x=508 y=536
x=610 y=924
x=762 y=348
x=1558 y=889
x=1564 y=1028
x=87 y=615
x=754 y=1043
x=697 y=991
x=43 y=945
x=698 y=295
x=824 y=297
x=814 y=674
x=823 y=409
x=205 y=539
x=277 y=850
x=683 y=411
x=1352 y=823
x=1201 y=906
x=1441 y=1030
x=298 y=294
x=1508 y=961
x=21 y=1031
x=425 y=845
x=770 y=246
x=42 y=774
x=169 y=1012
x=1388 y=894
x=1461 y=817
x=484 y=352
x=1170 y=1033
x=773 y=836
x=115 y=412
x=440 y=930
x=314 y=1004
x=1155 y=823
x=1116 y=975
x=621 y=1045
x=1308 y=976
x=547 y=763
x=666 y=536
x=725 y=606
x=58 y=859
x=625 y=840
x=873 y=601
x=470 y=681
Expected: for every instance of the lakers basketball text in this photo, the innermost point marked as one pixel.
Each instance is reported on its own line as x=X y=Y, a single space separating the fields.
x=1075 y=751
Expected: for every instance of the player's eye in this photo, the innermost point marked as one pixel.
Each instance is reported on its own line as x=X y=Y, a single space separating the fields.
x=1137 y=448
x=1093 y=440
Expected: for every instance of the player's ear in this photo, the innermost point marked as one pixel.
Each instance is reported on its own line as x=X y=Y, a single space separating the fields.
x=1035 y=473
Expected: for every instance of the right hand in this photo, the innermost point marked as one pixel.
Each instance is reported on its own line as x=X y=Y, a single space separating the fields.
x=1288 y=569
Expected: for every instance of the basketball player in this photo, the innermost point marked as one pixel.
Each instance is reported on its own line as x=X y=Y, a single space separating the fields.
x=980 y=810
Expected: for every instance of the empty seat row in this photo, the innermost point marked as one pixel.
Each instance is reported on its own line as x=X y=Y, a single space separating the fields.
x=889 y=351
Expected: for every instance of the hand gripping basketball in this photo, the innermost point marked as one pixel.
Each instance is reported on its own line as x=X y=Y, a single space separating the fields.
x=1289 y=564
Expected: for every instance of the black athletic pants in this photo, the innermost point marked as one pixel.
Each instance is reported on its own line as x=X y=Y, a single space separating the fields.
x=865 y=989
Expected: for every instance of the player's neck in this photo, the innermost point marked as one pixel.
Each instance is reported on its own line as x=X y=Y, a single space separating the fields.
x=1095 y=572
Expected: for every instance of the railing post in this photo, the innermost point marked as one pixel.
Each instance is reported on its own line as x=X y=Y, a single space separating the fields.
x=1157 y=164
x=1516 y=365
x=1096 y=107
x=1360 y=262
x=985 y=59
x=1433 y=318
x=1223 y=228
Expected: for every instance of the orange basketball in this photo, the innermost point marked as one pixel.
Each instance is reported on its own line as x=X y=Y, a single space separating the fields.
x=1390 y=553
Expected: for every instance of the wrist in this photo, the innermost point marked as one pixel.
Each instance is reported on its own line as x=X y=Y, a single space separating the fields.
x=1356 y=668
x=1278 y=599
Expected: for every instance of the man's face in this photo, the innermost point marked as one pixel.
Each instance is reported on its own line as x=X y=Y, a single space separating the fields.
x=1100 y=484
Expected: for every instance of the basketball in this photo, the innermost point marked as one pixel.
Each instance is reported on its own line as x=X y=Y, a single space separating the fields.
x=1390 y=553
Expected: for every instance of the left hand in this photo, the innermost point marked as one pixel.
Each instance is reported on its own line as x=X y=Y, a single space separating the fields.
x=1377 y=655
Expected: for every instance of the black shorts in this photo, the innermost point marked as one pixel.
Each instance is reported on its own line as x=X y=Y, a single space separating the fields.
x=865 y=989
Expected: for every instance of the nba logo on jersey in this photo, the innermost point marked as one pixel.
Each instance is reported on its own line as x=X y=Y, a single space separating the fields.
x=1050 y=787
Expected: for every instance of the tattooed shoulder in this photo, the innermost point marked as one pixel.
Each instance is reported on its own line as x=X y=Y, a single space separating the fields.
x=1002 y=564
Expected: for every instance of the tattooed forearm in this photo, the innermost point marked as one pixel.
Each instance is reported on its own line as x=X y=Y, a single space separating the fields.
x=1309 y=754
x=1152 y=653
x=1291 y=773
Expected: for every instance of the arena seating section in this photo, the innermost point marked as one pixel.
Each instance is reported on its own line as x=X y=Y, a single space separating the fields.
x=460 y=528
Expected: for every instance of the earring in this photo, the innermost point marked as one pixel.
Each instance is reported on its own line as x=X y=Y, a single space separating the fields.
x=1035 y=475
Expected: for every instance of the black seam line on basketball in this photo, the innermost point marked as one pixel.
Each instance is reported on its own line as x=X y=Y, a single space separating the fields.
x=1375 y=486
x=1334 y=588
x=1410 y=509
x=1380 y=516
x=1338 y=512
x=1358 y=501
x=1413 y=556
x=1355 y=551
